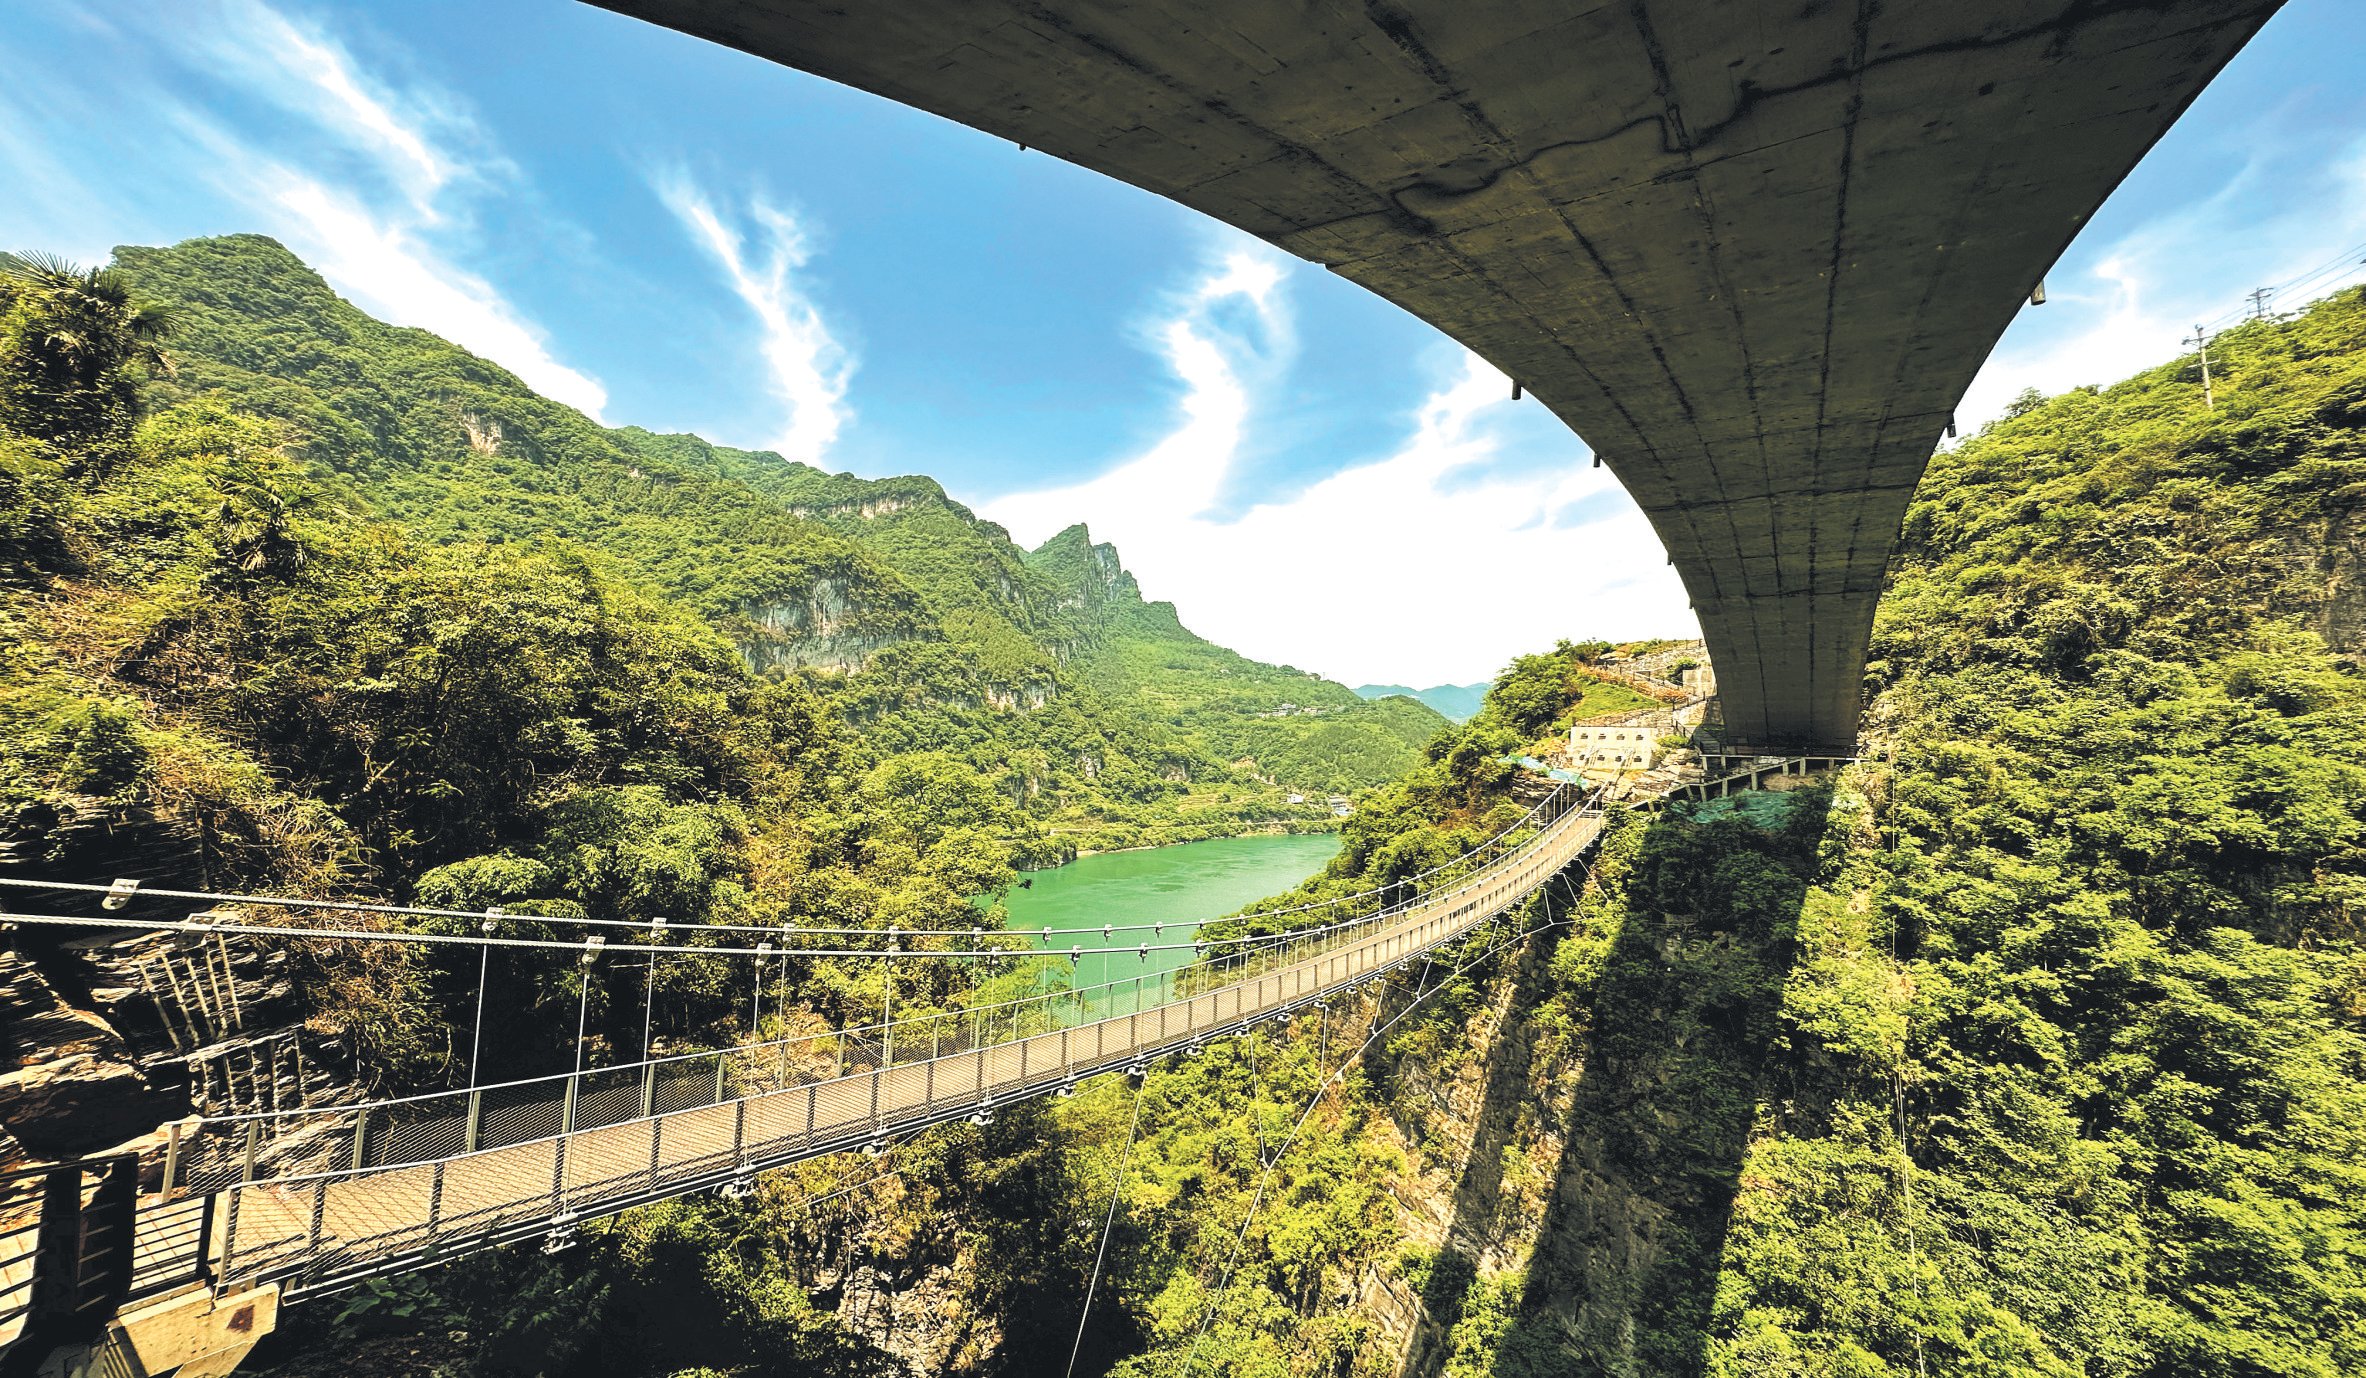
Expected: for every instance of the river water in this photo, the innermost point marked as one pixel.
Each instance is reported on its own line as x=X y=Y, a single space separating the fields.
x=1189 y=880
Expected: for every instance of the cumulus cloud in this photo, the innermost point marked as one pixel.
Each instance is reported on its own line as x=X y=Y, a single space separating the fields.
x=761 y=253
x=1425 y=566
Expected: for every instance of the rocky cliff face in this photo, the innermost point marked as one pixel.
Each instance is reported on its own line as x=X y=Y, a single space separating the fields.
x=830 y=627
x=1575 y=1142
x=115 y=1034
x=108 y=1035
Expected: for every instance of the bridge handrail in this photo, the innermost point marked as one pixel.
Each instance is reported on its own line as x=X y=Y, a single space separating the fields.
x=1256 y=942
x=848 y=1077
x=978 y=933
x=878 y=1045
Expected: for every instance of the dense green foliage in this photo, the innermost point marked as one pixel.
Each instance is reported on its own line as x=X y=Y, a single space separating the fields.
x=2121 y=1042
x=2037 y=1048
x=2034 y=1045
x=353 y=609
x=329 y=607
x=1100 y=717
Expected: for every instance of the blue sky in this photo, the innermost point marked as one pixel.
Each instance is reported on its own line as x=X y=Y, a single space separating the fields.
x=670 y=234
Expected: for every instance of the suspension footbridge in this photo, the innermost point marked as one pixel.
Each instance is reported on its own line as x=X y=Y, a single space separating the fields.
x=1753 y=257
x=300 y=1199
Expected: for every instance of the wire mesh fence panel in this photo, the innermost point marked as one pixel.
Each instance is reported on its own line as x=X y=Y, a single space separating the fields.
x=169 y=1244
x=776 y=1123
x=606 y=1163
x=267 y=1225
x=608 y=1097
x=840 y=1104
x=903 y=1091
x=369 y=1218
x=416 y=1138
x=519 y=1114
x=682 y=1086
x=486 y=1190
x=695 y=1143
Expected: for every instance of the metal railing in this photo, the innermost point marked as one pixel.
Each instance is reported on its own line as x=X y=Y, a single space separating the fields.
x=211 y=1152
x=317 y=1197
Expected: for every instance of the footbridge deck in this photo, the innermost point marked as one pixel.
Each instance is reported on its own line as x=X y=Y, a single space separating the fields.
x=398 y=1195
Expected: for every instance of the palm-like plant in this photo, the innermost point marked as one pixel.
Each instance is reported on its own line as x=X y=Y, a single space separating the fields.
x=70 y=339
x=253 y=526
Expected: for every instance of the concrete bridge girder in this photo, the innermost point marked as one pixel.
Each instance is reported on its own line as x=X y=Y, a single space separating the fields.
x=1753 y=254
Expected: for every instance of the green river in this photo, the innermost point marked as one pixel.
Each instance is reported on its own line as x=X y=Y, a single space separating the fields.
x=1189 y=880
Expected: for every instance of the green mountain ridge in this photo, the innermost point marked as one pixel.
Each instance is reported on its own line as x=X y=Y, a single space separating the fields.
x=2033 y=1045
x=928 y=628
x=1456 y=703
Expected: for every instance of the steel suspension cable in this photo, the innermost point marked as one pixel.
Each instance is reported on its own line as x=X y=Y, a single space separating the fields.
x=196 y=924
x=1256 y=1201
x=201 y=926
x=431 y=912
x=1276 y=942
x=1101 y=1256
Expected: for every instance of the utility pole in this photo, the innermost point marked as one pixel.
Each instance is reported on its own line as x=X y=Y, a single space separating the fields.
x=2201 y=341
x=2258 y=300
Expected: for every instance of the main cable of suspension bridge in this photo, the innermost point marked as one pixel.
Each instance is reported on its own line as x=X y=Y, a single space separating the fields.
x=301 y=1200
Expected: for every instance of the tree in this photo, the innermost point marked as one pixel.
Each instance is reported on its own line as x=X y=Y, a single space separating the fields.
x=73 y=342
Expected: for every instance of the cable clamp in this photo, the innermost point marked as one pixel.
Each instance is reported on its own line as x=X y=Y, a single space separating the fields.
x=119 y=894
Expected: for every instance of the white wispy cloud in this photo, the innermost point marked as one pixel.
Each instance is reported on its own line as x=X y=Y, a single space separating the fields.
x=1381 y=571
x=762 y=250
x=372 y=182
x=2128 y=304
x=383 y=265
x=308 y=72
x=1181 y=476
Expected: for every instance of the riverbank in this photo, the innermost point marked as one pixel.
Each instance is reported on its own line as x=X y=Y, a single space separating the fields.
x=1180 y=884
x=1183 y=834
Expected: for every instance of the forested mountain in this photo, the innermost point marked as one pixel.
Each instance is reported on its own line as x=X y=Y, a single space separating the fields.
x=938 y=634
x=1453 y=702
x=2033 y=1045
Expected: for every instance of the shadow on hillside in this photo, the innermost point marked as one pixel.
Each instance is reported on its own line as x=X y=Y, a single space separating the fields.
x=1673 y=1042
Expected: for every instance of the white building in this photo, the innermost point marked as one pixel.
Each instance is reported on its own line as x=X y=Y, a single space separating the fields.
x=1613 y=746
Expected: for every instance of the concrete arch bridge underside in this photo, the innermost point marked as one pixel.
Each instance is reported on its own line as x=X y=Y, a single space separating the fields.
x=1752 y=252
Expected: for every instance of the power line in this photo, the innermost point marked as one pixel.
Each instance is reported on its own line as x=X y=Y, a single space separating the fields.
x=2349 y=259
